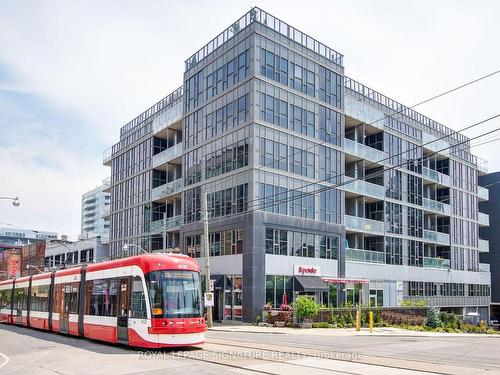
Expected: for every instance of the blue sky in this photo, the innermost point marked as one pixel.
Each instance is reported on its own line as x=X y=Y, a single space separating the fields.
x=72 y=73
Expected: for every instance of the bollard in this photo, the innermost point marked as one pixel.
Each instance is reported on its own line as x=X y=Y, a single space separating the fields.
x=371 y=321
x=481 y=325
x=358 y=319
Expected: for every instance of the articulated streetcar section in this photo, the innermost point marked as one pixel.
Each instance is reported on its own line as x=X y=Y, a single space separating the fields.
x=147 y=301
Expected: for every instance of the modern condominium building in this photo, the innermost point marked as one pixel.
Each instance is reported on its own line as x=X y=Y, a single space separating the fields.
x=96 y=212
x=316 y=184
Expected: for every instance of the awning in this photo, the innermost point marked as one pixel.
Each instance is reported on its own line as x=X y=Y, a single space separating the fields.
x=332 y=280
x=310 y=284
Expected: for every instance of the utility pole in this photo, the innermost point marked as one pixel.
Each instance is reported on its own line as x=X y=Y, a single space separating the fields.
x=206 y=250
x=165 y=231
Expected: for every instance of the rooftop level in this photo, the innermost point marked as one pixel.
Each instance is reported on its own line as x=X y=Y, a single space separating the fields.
x=264 y=18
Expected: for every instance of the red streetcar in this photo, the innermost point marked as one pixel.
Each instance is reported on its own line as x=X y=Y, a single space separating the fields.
x=148 y=301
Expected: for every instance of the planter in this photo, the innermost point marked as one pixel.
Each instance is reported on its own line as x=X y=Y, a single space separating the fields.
x=263 y=324
x=306 y=325
x=279 y=324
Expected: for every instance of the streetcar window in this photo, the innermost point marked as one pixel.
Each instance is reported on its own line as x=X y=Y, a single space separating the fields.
x=138 y=302
x=174 y=294
x=5 y=296
x=40 y=298
x=66 y=298
x=21 y=299
x=101 y=297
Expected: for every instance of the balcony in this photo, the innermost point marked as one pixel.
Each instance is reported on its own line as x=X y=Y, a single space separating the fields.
x=367 y=256
x=483 y=193
x=106 y=184
x=364 y=188
x=439 y=263
x=435 y=176
x=361 y=224
x=173 y=223
x=168 y=118
x=484 y=246
x=435 y=144
x=106 y=157
x=106 y=211
x=166 y=155
x=437 y=237
x=363 y=151
x=437 y=207
x=484 y=267
x=484 y=219
x=167 y=189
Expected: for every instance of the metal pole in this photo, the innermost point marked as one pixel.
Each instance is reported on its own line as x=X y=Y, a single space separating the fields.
x=164 y=231
x=206 y=251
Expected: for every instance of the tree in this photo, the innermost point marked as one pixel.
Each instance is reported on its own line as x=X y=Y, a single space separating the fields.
x=305 y=307
x=433 y=320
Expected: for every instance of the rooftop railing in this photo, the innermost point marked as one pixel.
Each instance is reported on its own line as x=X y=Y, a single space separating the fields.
x=264 y=18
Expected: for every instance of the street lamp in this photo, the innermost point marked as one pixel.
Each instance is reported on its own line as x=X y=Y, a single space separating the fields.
x=30 y=266
x=127 y=245
x=15 y=200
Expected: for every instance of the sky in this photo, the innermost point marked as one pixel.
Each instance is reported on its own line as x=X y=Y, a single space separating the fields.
x=73 y=72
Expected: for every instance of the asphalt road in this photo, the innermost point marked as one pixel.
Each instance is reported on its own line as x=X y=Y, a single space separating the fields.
x=28 y=351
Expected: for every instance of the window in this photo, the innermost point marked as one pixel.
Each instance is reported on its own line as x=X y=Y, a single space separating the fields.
x=330 y=206
x=415 y=222
x=330 y=126
x=138 y=300
x=276 y=241
x=101 y=297
x=302 y=121
x=330 y=166
x=328 y=247
x=227 y=117
x=229 y=201
x=174 y=294
x=273 y=154
x=40 y=298
x=302 y=80
x=415 y=253
x=330 y=87
x=273 y=67
x=5 y=298
x=20 y=299
x=273 y=110
x=227 y=159
x=393 y=251
x=393 y=218
x=273 y=198
x=301 y=204
x=302 y=162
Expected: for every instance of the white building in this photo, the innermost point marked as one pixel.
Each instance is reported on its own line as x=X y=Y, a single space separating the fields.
x=95 y=212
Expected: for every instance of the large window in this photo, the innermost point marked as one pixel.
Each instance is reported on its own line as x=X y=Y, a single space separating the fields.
x=40 y=298
x=227 y=159
x=330 y=165
x=393 y=218
x=101 y=297
x=302 y=79
x=393 y=251
x=273 y=66
x=229 y=201
x=273 y=110
x=228 y=242
x=302 y=121
x=138 y=308
x=227 y=117
x=276 y=287
x=330 y=206
x=273 y=198
x=302 y=162
x=273 y=154
x=21 y=299
x=330 y=87
x=328 y=247
x=415 y=253
x=330 y=126
x=5 y=298
x=174 y=294
x=276 y=241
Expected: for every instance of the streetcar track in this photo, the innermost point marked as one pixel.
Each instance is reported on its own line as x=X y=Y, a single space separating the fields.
x=336 y=359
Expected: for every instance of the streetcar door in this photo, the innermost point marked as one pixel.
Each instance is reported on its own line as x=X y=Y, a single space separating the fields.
x=65 y=304
x=123 y=310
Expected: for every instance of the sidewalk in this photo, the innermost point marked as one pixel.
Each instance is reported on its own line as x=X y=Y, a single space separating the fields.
x=340 y=332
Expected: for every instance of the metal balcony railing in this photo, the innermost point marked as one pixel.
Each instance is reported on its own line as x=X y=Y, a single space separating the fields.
x=437 y=237
x=360 y=255
x=363 y=151
x=436 y=263
x=167 y=189
x=364 y=225
x=436 y=206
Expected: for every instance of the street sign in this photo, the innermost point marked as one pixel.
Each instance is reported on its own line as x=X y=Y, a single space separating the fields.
x=209 y=299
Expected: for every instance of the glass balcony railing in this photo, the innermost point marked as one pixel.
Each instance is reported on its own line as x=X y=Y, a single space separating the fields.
x=363 y=151
x=437 y=237
x=167 y=189
x=364 y=225
x=171 y=223
x=484 y=246
x=484 y=219
x=106 y=156
x=483 y=193
x=368 y=256
x=436 y=263
x=435 y=176
x=166 y=155
x=364 y=188
x=167 y=118
x=484 y=267
x=436 y=206
x=106 y=211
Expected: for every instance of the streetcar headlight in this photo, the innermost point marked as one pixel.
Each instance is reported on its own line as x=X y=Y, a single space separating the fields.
x=157 y=311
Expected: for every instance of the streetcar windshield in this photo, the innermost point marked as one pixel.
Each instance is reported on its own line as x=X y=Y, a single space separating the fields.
x=174 y=294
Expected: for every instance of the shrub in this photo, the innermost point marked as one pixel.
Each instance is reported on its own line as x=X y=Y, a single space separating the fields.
x=321 y=325
x=414 y=303
x=280 y=316
x=305 y=307
x=399 y=318
x=433 y=317
x=258 y=319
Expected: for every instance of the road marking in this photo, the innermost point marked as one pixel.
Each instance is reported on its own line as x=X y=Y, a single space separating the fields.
x=5 y=360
